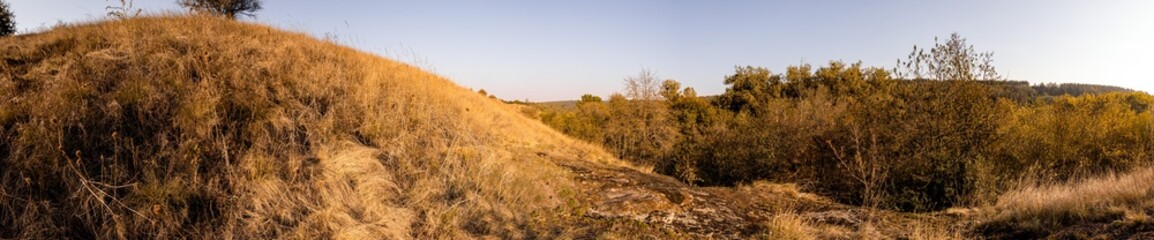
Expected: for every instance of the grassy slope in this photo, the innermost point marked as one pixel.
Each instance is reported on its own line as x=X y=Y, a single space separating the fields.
x=204 y=127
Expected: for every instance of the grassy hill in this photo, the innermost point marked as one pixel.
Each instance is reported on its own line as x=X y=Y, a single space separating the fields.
x=164 y=127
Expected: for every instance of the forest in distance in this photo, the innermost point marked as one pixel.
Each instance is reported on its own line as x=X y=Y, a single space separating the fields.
x=941 y=130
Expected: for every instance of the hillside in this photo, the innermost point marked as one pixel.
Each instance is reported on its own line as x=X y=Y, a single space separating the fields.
x=200 y=127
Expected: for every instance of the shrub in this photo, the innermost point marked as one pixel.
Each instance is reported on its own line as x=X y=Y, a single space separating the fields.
x=228 y=8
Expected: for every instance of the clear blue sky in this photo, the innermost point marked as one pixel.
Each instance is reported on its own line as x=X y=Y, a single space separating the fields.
x=551 y=50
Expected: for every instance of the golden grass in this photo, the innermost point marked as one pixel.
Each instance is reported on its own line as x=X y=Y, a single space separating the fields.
x=201 y=127
x=928 y=231
x=787 y=226
x=1125 y=197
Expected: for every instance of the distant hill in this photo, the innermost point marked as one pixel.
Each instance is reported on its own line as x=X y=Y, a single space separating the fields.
x=561 y=104
x=1075 y=89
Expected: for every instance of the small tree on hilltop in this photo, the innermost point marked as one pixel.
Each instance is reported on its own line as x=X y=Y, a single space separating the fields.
x=7 y=23
x=228 y=8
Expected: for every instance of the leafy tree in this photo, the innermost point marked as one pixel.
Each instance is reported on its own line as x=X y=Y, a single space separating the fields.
x=590 y=119
x=227 y=8
x=697 y=123
x=670 y=90
x=587 y=121
x=951 y=125
x=7 y=20
x=798 y=79
x=749 y=88
x=1112 y=134
x=589 y=98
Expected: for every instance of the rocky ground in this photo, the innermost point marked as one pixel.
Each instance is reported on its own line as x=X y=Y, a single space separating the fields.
x=668 y=207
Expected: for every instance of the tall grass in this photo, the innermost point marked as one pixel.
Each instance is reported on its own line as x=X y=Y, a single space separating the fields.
x=787 y=226
x=1040 y=209
x=201 y=127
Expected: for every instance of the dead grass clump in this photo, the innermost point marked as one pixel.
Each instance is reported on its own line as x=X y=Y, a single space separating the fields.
x=201 y=127
x=785 y=226
x=1039 y=210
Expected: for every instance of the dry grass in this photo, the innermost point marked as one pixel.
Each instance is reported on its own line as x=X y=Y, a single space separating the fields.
x=787 y=226
x=1047 y=208
x=790 y=190
x=929 y=231
x=200 y=127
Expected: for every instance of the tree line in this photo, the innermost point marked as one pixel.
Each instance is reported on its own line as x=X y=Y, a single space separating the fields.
x=942 y=129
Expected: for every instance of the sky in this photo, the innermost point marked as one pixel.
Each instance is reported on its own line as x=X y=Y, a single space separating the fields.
x=555 y=50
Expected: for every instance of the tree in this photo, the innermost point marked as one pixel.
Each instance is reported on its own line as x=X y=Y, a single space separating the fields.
x=951 y=125
x=589 y=98
x=7 y=20
x=644 y=86
x=641 y=128
x=696 y=119
x=952 y=60
x=669 y=90
x=227 y=8
x=749 y=88
x=591 y=117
